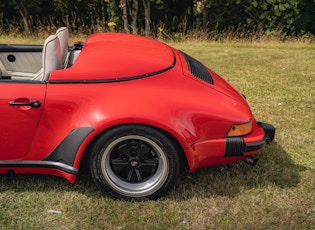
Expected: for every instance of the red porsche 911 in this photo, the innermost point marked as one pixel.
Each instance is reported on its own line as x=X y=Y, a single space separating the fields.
x=137 y=111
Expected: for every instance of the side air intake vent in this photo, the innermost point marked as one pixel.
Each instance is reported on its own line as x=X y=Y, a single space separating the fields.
x=198 y=69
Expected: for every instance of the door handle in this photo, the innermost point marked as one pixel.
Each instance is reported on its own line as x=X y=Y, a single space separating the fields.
x=33 y=103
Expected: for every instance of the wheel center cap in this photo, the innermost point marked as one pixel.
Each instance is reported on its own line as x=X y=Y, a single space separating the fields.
x=134 y=163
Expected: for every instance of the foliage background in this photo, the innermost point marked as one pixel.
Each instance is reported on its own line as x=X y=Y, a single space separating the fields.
x=206 y=19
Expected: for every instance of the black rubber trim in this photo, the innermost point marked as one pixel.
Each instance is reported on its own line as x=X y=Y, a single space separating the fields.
x=255 y=146
x=270 y=131
x=39 y=164
x=62 y=158
x=16 y=48
x=15 y=81
x=67 y=150
x=114 y=79
x=234 y=146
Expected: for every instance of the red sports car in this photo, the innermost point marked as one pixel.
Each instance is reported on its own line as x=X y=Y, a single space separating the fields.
x=132 y=108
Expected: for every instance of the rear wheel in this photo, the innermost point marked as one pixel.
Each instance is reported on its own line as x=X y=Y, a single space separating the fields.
x=134 y=162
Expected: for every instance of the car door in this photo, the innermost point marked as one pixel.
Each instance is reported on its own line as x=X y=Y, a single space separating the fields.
x=21 y=106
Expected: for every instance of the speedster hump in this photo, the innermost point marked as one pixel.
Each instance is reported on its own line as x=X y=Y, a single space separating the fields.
x=114 y=56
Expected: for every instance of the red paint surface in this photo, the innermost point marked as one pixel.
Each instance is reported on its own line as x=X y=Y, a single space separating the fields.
x=198 y=115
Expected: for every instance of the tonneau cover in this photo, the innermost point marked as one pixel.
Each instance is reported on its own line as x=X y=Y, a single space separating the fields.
x=116 y=56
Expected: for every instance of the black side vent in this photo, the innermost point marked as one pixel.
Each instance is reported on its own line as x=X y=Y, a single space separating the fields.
x=198 y=69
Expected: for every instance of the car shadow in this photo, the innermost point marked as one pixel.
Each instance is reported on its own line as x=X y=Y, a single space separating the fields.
x=51 y=184
x=274 y=168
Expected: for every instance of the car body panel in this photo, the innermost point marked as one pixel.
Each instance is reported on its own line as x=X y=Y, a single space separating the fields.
x=200 y=156
x=112 y=57
x=18 y=124
x=117 y=80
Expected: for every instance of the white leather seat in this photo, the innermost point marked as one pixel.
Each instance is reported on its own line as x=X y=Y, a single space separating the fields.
x=51 y=59
x=63 y=36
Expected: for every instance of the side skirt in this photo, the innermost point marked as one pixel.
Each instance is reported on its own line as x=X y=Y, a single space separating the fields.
x=62 y=157
x=39 y=164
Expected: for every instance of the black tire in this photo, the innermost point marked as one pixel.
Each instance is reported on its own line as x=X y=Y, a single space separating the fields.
x=134 y=162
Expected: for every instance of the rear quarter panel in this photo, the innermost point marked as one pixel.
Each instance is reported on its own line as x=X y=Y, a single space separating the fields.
x=187 y=109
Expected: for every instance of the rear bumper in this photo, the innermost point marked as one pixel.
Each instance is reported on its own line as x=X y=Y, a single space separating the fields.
x=238 y=146
x=224 y=150
x=269 y=130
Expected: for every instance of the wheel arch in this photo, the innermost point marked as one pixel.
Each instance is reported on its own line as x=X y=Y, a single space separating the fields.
x=84 y=158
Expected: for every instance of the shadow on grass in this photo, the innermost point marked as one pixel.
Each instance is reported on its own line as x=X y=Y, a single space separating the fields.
x=50 y=184
x=274 y=168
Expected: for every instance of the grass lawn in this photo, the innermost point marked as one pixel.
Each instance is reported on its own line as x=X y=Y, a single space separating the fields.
x=279 y=193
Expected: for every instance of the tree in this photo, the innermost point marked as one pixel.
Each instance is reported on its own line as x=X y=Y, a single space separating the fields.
x=130 y=12
x=133 y=7
x=204 y=6
x=271 y=15
x=27 y=9
x=176 y=17
x=123 y=5
x=306 y=17
x=147 y=17
x=113 y=13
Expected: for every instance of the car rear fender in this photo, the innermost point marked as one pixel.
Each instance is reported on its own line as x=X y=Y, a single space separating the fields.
x=83 y=153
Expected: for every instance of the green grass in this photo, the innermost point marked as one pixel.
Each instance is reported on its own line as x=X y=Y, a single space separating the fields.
x=279 y=193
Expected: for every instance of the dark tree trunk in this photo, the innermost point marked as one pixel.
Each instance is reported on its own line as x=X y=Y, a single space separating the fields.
x=133 y=12
x=147 y=15
x=205 y=18
x=26 y=17
x=125 y=17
